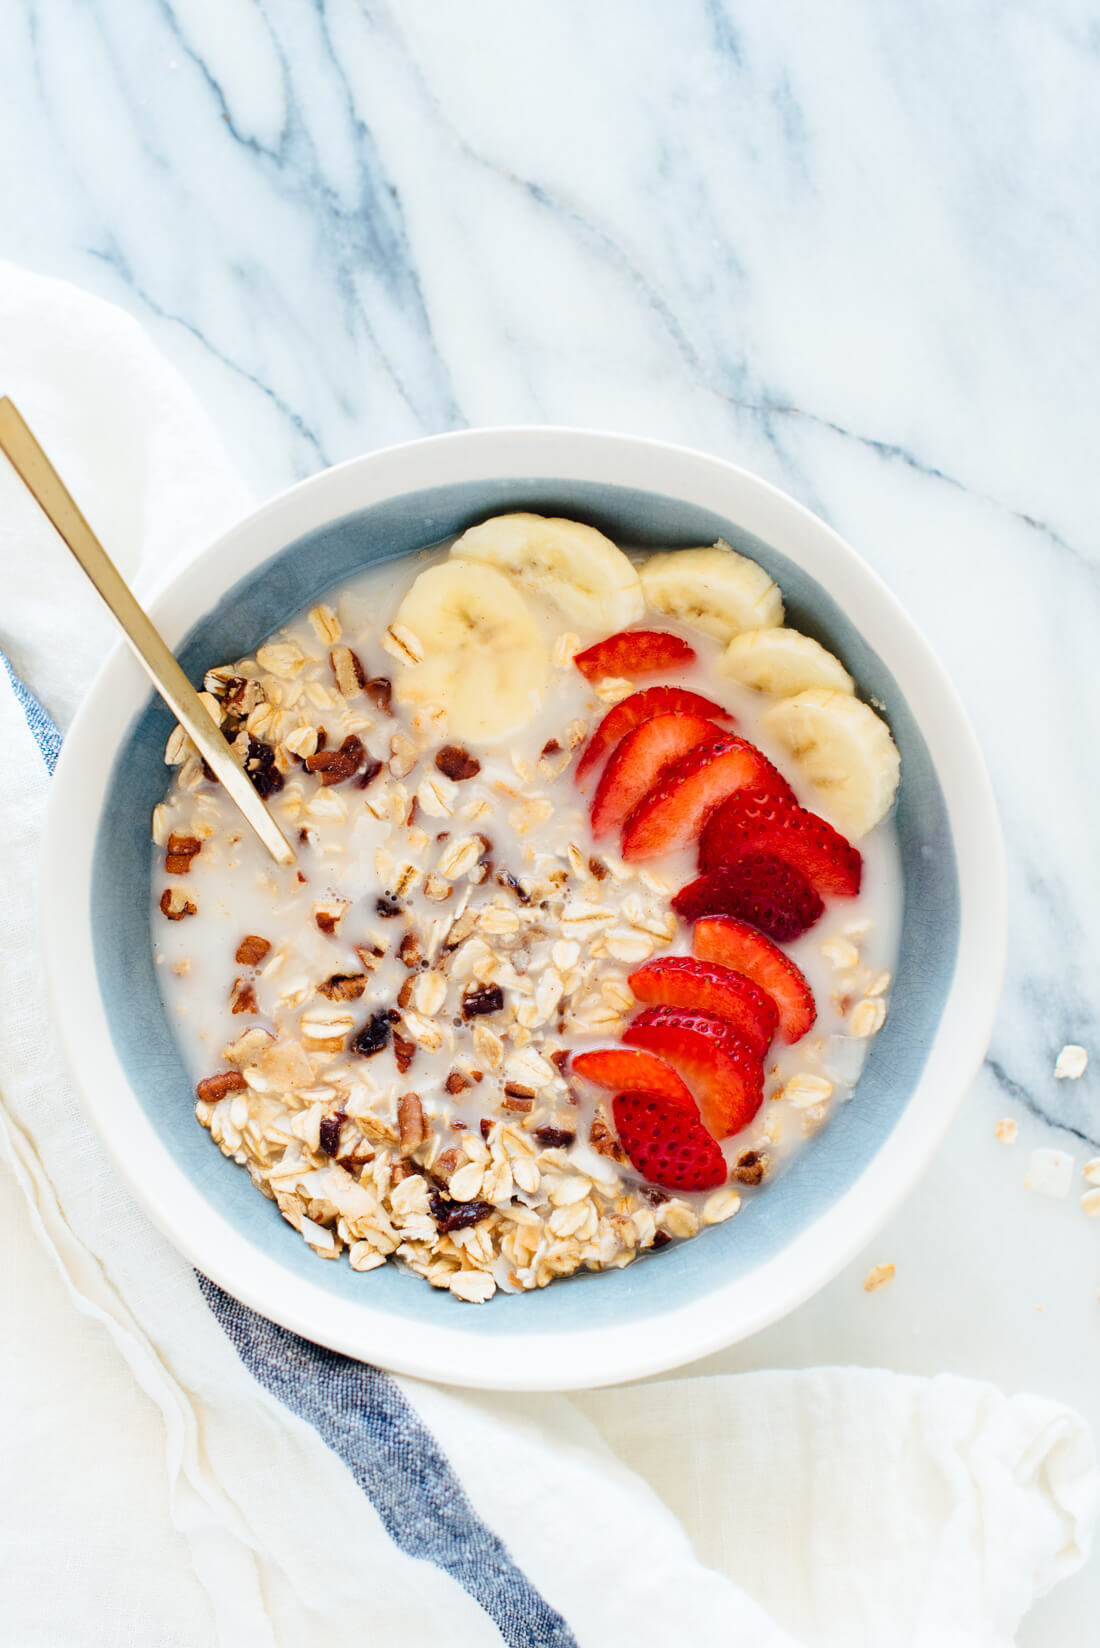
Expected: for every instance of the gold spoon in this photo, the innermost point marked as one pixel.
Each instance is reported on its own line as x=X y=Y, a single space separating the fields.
x=48 y=490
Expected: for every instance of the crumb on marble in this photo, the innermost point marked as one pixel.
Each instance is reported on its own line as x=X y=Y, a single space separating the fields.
x=879 y=1277
x=1072 y=1062
x=1006 y=1130
x=1090 y=1204
x=1091 y=1171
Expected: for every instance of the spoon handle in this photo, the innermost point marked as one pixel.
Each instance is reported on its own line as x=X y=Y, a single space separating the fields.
x=50 y=493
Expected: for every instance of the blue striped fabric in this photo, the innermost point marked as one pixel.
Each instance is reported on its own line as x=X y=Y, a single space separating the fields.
x=41 y=723
x=361 y=1414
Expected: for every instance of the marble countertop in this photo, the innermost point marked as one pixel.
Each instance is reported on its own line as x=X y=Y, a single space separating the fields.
x=851 y=247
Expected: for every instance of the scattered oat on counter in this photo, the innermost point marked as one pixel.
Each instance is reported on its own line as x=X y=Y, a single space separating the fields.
x=1091 y=1171
x=1006 y=1130
x=1050 y=1172
x=1072 y=1062
x=881 y=1276
x=1090 y=1204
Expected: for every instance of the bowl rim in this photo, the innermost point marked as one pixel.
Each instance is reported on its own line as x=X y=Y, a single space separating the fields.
x=584 y=1357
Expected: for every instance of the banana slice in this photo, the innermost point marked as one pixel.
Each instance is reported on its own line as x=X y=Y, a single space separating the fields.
x=844 y=747
x=573 y=565
x=715 y=590
x=783 y=662
x=471 y=645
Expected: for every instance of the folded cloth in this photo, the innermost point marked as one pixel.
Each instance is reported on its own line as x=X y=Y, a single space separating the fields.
x=323 y=1500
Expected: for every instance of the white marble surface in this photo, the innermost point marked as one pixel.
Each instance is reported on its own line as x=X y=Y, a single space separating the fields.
x=853 y=247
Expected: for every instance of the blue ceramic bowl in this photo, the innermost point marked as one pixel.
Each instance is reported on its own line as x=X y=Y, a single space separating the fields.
x=697 y=1296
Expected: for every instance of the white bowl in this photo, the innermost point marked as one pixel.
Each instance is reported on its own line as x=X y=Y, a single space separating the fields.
x=693 y=1297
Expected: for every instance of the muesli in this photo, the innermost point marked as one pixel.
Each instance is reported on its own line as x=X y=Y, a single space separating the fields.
x=578 y=948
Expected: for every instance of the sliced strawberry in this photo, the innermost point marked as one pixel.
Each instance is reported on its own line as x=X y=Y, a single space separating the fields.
x=682 y=981
x=758 y=820
x=638 y=762
x=620 y=1070
x=668 y=1144
x=736 y=945
x=723 y=1071
x=674 y=811
x=639 y=707
x=761 y=889
x=634 y=652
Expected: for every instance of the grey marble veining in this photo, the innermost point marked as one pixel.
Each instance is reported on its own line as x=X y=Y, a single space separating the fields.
x=853 y=247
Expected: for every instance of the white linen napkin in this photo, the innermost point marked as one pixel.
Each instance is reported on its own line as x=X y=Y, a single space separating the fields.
x=765 y=1510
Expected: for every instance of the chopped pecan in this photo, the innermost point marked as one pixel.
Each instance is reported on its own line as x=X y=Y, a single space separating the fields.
x=369 y=774
x=404 y=995
x=446 y=1162
x=369 y=954
x=551 y=747
x=603 y=1140
x=456 y=1082
x=560 y=1057
x=181 y=849
x=410 y=1122
x=387 y=908
x=553 y=1138
x=212 y=1088
x=374 y=1035
x=350 y=675
x=325 y=921
x=176 y=905
x=456 y=763
x=344 y=986
x=659 y=1241
x=379 y=690
x=404 y=1051
x=251 y=950
x=486 y=1127
x=597 y=868
x=480 y=999
x=242 y=696
x=337 y=766
x=330 y=1132
x=243 y=997
x=409 y=951
x=517 y=1097
x=751 y=1168
x=356 y=1161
